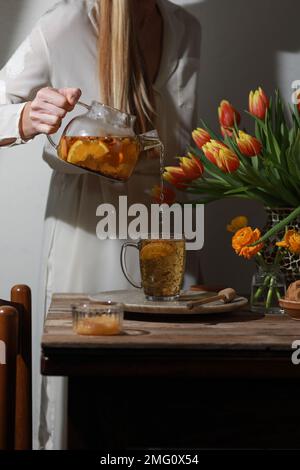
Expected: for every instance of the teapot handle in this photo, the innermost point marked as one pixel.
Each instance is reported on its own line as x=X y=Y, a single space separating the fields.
x=79 y=103
x=150 y=140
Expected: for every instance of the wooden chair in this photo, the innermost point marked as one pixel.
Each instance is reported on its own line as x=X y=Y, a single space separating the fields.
x=15 y=371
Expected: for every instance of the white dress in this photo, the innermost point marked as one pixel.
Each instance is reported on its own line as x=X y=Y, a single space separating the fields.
x=61 y=52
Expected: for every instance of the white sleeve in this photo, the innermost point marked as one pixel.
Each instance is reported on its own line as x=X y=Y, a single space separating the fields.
x=24 y=74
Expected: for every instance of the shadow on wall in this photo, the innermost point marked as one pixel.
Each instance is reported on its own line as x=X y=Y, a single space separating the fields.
x=240 y=44
x=9 y=19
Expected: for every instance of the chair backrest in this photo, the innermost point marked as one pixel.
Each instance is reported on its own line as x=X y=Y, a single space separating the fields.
x=21 y=299
x=15 y=375
x=9 y=350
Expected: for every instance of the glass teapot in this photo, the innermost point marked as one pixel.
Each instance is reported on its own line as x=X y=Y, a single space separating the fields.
x=103 y=140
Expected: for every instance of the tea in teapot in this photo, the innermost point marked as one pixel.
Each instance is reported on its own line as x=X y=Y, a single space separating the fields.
x=103 y=141
x=115 y=157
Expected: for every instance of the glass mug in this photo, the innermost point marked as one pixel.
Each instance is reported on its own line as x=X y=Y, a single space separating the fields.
x=162 y=266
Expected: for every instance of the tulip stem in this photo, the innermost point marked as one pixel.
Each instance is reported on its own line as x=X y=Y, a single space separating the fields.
x=261 y=261
x=271 y=292
x=260 y=291
x=278 y=295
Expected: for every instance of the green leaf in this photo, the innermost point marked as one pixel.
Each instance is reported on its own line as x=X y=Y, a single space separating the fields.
x=241 y=189
x=211 y=133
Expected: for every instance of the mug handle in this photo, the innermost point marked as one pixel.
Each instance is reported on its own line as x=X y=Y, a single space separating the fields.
x=123 y=263
x=79 y=103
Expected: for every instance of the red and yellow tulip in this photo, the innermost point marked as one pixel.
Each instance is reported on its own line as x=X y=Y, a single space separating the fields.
x=221 y=156
x=226 y=132
x=211 y=150
x=297 y=93
x=228 y=117
x=176 y=176
x=200 y=137
x=248 y=145
x=192 y=167
x=258 y=103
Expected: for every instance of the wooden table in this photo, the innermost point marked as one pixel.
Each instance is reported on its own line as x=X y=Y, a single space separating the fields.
x=220 y=381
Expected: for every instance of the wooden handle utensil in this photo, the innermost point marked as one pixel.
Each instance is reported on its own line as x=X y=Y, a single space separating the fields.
x=227 y=295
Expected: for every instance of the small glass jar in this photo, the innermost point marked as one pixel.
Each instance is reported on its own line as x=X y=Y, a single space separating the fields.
x=268 y=286
x=98 y=318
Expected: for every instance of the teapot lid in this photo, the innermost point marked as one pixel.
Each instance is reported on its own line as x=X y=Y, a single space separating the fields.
x=111 y=115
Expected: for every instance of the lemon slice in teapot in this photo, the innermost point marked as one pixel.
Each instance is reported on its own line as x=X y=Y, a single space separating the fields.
x=80 y=151
x=157 y=249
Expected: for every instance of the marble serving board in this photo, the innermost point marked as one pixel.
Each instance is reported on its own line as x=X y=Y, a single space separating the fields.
x=134 y=301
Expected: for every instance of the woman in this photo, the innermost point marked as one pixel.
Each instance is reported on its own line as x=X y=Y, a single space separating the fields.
x=138 y=56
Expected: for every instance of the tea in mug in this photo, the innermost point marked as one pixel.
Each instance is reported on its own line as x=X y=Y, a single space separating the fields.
x=162 y=265
x=114 y=157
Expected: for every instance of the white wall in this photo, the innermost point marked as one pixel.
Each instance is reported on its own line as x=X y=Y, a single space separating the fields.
x=245 y=43
x=24 y=177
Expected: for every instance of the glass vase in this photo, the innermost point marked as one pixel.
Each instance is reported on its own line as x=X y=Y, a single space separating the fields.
x=268 y=286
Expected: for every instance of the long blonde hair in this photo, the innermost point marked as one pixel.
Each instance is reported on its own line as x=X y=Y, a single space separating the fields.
x=124 y=83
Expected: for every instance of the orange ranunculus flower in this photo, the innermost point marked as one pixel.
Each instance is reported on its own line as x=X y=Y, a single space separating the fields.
x=291 y=241
x=237 y=223
x=258 y=103
x=221 y=156
x=245 y=237
x=200 y=137
x=163 y=195
x=176 y=176
x=228 y=116
x=248 y=145
x=192 y=167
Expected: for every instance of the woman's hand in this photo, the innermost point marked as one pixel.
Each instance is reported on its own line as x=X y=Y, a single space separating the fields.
x=44 y=114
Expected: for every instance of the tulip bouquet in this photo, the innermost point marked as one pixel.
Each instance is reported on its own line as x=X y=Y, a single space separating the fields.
x=263 y=167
